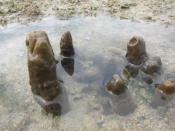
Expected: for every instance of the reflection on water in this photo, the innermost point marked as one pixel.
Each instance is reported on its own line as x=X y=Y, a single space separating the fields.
x=100 y=46
x=59 y=106
x=68 y=65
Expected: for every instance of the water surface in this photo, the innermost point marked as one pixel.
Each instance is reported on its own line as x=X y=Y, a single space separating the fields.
x=100 y=46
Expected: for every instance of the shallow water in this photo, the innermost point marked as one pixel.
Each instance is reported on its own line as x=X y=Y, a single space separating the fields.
x=100 y=46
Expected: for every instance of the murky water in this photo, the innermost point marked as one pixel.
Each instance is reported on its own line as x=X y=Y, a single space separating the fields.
x=100 y=45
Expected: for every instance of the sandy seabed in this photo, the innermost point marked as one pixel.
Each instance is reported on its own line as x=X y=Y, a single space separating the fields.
x=24 y=11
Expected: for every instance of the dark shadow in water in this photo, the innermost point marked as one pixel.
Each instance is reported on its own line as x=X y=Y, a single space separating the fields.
x=159 y=99
x=121 y=104
x=87 y=89
x=59 y=106
x=107 y=109
x=68 y=65
x=54 y=109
